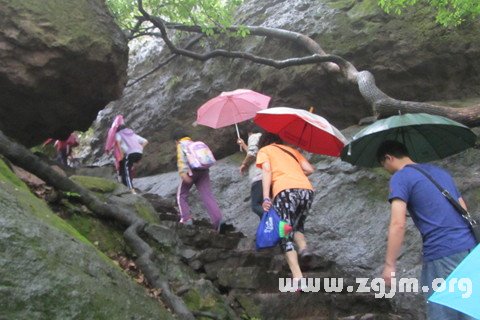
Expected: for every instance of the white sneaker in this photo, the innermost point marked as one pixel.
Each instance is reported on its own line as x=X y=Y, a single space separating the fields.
x=188 y=222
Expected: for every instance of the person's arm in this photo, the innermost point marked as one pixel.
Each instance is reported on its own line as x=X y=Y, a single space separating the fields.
x=396 y=234
x=186 y=178
x=242 y=144
x=246 y=163
x=120 y=150
x=266 y=184
x=307 y=168
x=143 y=142
x=182 y=166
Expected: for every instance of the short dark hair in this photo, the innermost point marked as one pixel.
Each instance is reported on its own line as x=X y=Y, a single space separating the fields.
x=268 y=138
x=179 y=134
x=393 y=148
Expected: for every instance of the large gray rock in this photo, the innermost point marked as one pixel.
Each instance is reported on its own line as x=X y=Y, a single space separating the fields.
x=60 y=63
x=347 y=226
x=411 y=57
x=50 y=271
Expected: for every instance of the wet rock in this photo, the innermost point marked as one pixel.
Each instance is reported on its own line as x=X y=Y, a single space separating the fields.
x=61 y=62
x=411 y=57
x=50 y=271
x=346 y=228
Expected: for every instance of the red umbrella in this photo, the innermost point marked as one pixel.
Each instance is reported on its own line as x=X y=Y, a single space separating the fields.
x=231 y=108
x=303 y=129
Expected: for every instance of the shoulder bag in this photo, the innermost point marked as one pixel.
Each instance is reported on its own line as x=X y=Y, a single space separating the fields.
x=464 y=213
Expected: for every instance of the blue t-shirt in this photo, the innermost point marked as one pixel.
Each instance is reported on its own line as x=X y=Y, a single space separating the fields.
x=444 y=231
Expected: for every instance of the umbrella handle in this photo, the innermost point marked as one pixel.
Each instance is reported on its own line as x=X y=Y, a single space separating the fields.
x=238 y=134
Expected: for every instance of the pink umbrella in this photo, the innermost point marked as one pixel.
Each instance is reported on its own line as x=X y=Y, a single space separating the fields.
x=303 y=129
x=110 y=144
x=231 y=108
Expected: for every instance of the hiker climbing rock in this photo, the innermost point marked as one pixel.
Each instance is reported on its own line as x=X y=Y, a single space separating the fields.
x=193 y=162
x=254 y=173
x=131 y=146
x=287 y=188
x=64 y=149
x=447 y=236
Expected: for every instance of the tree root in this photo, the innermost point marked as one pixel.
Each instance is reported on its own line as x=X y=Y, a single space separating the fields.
x=22 y=157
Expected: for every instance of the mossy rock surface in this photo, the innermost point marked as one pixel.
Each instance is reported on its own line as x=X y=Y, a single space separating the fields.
x=62 y=61
x=95 y=184
x=106 y=236
x=48 y=270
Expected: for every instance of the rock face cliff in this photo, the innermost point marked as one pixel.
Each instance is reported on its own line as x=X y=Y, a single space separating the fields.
x=346 y=230
x=411 y=58
x=60 y=63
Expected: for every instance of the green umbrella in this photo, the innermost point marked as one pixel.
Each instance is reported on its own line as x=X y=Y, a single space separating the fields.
x=427 y=137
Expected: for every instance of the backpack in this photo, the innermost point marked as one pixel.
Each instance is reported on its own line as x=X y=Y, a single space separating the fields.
x=270 y=230
x=198 y=154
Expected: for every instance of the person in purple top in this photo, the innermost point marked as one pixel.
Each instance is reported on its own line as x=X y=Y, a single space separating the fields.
x=131 y=146
x=447 y=237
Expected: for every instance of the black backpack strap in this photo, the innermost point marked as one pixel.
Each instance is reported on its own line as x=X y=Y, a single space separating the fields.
x=447 y=195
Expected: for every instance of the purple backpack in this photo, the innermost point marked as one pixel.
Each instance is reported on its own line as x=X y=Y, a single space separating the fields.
x=199 y=155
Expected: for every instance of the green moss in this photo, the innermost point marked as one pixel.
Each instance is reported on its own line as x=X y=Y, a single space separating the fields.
x=203 y=302
x=363 y=9
x=251 y=308
x=7 y=175
x=192 y=299
x=81 y=20
x=107 y=237
x=47 y=276
x=341 y=4
x=29 y=202
x=95 y=184
x=13 y=185
x=47 y=150
x=146 y=212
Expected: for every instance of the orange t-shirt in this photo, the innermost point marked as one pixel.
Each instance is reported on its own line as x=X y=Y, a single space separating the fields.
x=286 y=171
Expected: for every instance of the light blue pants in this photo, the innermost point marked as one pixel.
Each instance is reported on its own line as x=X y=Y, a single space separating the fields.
x=441 y=268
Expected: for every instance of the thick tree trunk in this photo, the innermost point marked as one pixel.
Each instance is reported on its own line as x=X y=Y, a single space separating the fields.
x=469 y=116
x=22 y=157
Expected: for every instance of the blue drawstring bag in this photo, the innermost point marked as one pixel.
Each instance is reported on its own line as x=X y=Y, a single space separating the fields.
x=268 y=233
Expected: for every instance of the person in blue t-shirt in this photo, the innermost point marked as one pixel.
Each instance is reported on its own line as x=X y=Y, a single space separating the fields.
x=447 y=237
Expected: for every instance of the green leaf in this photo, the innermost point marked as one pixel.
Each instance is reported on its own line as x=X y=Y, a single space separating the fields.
x=447 y=12
x=204 y=13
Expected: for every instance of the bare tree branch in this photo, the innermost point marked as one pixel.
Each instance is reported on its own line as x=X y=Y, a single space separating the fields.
x=164 y=62
x=469 y=116
x=382 y=104
x=279 y=64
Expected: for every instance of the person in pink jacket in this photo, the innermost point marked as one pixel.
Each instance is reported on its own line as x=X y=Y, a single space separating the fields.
x=131 y=146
